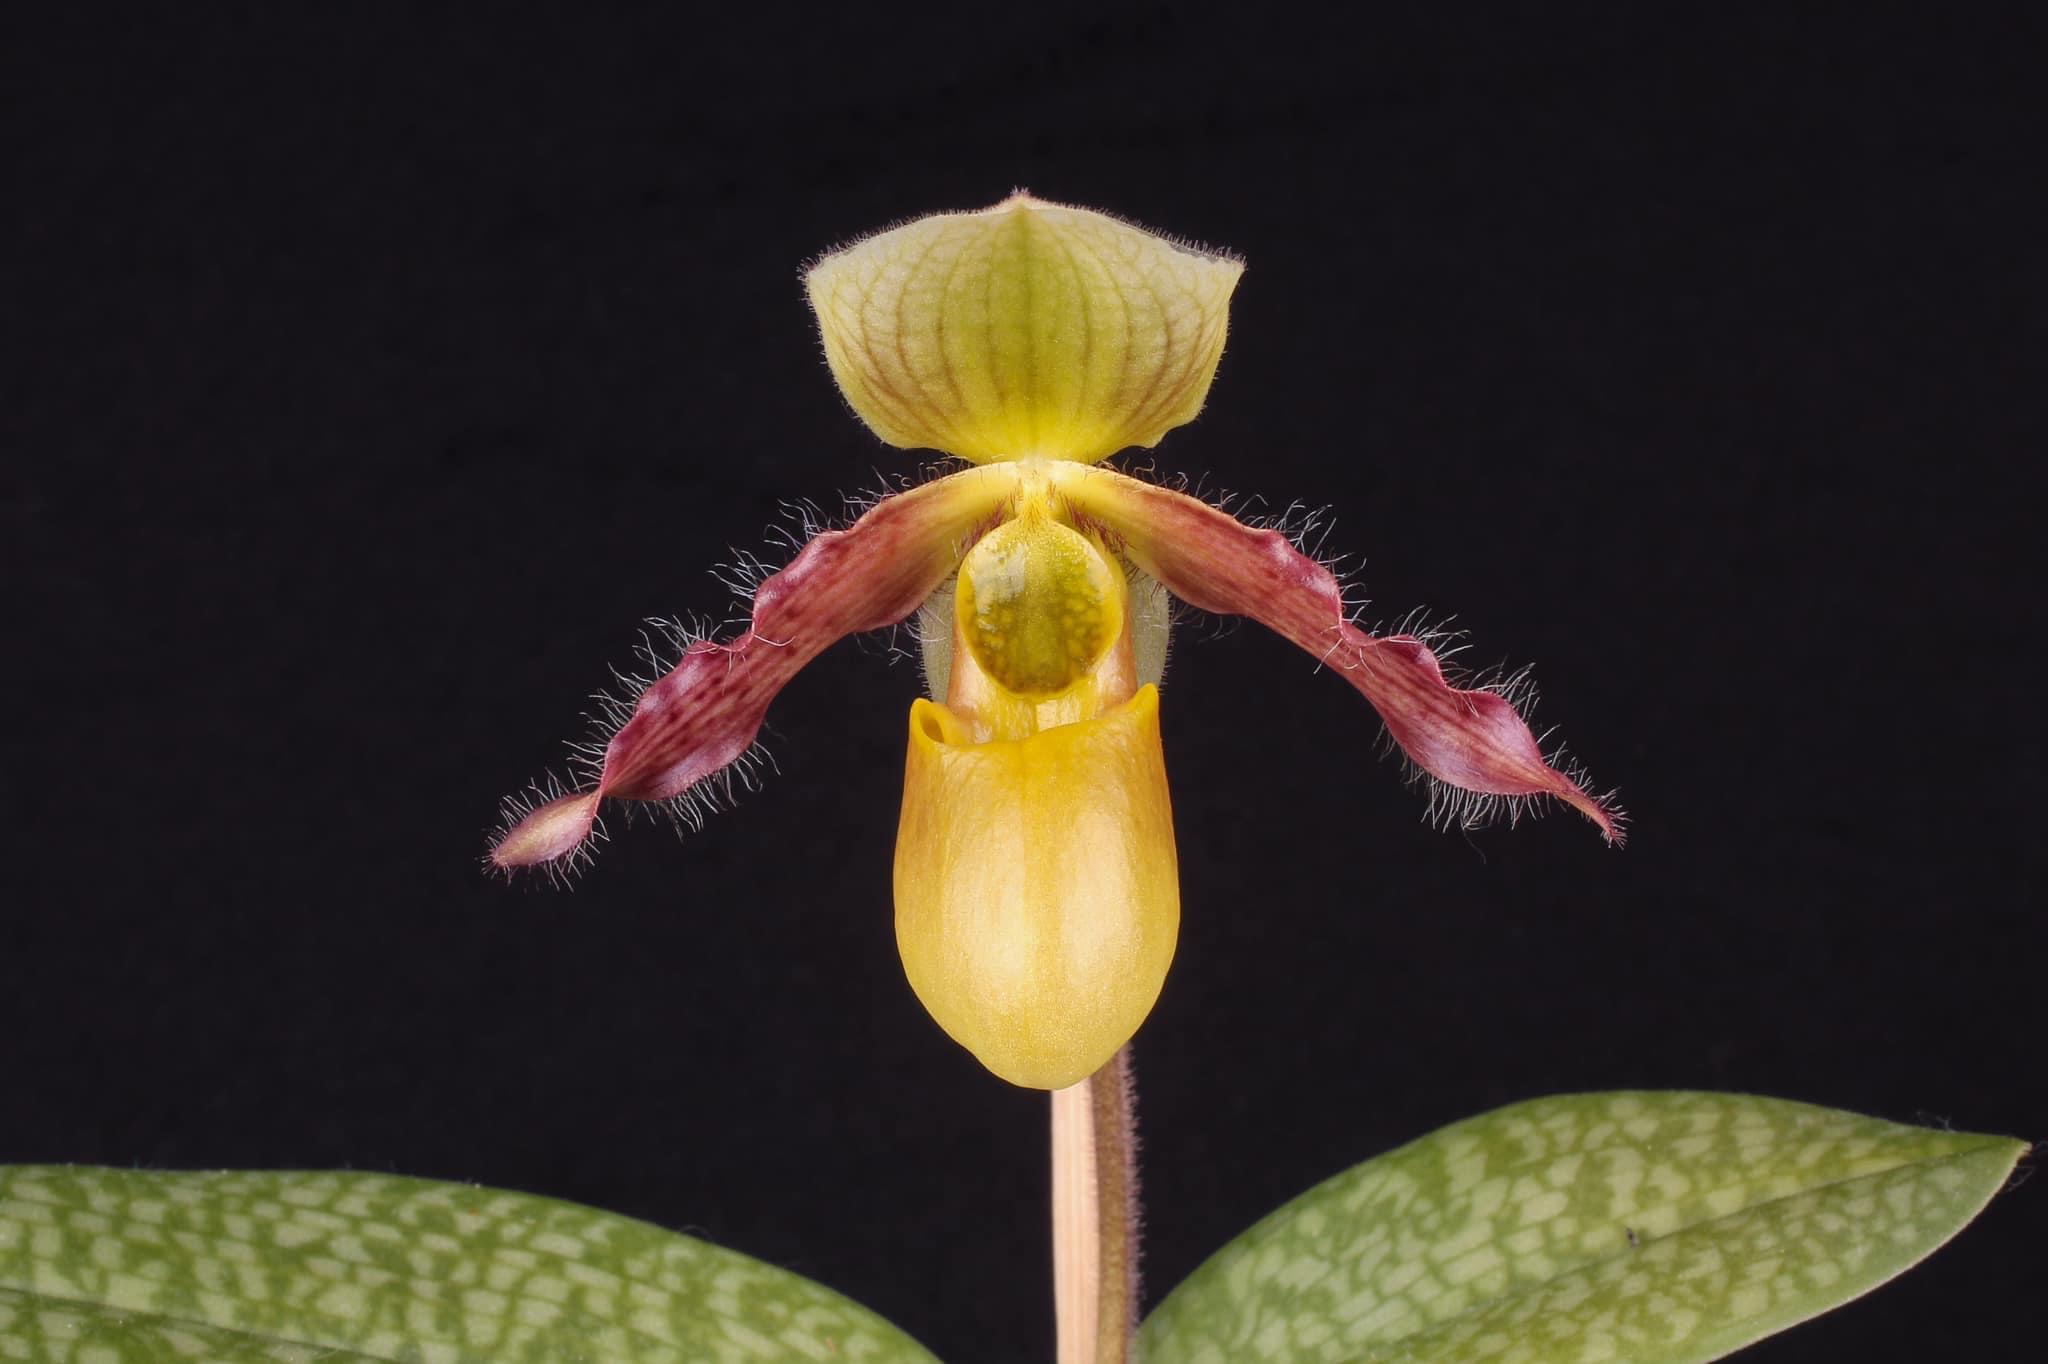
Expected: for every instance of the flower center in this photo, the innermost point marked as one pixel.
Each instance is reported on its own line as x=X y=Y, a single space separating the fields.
x=1038 y=604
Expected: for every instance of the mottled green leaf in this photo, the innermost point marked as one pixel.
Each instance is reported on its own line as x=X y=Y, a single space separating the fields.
x=1647 y=1227
x=127 y=1267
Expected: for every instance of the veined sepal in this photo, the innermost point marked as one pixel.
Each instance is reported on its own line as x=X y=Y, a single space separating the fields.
x=1026 y=330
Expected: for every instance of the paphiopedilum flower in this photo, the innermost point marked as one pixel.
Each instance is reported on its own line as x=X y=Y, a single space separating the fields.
x=1037 y=896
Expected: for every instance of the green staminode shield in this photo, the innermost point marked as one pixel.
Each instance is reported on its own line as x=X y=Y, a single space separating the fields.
x=125 y=1267
x=1630 y=1227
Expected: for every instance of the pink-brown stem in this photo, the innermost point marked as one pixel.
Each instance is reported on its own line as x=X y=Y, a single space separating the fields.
x=1095 y=1216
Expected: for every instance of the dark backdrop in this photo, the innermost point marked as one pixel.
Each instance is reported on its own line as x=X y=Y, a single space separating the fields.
x=370 y=379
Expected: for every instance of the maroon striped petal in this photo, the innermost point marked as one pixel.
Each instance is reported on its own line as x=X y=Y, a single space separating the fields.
x=703 y=715
x=1474 y=741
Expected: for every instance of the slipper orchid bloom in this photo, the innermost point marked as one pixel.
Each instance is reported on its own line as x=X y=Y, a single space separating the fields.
x=1037 y=896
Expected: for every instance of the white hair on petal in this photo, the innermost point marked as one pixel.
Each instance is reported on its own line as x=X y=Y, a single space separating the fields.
x=562 y=871
x=662 y=644
x=1308 y=527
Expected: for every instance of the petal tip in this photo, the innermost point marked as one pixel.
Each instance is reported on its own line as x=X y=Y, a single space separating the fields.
x=547 y=833
x=1609 y=818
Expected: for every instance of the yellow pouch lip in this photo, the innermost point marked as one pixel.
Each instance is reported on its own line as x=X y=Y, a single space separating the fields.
x=1037 y=887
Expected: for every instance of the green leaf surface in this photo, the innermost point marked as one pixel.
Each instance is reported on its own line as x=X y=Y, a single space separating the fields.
x=127 y=1267
x=1665 y=1227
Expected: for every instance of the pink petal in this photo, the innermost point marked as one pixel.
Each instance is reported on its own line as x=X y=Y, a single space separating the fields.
x=1472 y=740
x=705 y=712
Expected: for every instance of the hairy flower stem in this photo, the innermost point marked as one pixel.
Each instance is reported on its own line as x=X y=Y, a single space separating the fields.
x=1095 y=1216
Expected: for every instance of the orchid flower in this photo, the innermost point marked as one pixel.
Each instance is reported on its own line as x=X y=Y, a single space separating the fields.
x=1036 y=883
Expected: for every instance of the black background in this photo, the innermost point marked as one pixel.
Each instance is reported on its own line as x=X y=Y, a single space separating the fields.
x=371 y=378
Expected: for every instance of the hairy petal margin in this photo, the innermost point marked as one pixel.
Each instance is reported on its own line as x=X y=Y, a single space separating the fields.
x=1473 y=740
x=704 y=713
